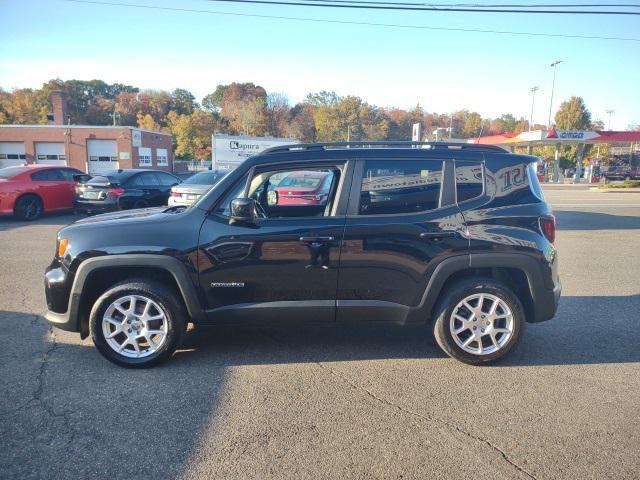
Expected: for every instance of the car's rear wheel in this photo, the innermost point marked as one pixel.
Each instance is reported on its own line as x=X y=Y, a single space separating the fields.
x=137 y=323
x=140 y=204
x=478 y=321
x=28 y=207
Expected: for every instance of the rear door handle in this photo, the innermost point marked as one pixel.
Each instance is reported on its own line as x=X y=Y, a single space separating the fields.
x=317 y=239
x=437 y=235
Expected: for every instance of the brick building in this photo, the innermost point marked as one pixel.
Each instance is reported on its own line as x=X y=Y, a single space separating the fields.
x=92 y=149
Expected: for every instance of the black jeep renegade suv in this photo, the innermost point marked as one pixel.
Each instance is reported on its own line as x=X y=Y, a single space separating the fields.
x=455 y=234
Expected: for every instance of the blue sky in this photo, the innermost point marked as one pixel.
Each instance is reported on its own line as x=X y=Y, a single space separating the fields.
x=443 y=71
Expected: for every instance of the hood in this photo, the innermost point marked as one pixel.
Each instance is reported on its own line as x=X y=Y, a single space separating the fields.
x=130 y=216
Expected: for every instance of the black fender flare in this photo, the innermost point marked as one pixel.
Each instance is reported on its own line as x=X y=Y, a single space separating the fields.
x=170 y=264
x=529 y=265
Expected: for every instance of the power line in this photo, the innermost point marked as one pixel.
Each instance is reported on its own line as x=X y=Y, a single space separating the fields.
x=491 y=5
x=348 y=22
x=426 y=8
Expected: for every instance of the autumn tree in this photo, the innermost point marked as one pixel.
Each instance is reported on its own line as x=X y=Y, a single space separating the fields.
x=183 y=101
x=573 y=115
x=278 y=114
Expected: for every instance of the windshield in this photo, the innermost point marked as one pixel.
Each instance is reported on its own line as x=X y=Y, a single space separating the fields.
x=100 y=180
x=10 y=172
x=203 y=178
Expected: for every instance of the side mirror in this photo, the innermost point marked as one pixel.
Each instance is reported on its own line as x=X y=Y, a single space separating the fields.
x=243 y=210
x=272 y=198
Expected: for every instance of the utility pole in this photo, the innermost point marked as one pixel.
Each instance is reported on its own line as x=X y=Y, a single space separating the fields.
x=553 y=84
x=533 y=99
x=610 y=112
x=450 y=125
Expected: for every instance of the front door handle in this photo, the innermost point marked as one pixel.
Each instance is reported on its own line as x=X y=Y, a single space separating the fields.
x=317 y=239
x=439 y=235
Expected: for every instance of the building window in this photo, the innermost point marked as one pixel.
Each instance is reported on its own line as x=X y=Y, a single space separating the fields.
x=3 y=156
x=144 y=156
x=16 y=156
x=161 y=155
x=42 y=157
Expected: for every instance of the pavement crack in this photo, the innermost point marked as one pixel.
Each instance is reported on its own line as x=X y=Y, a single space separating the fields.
x=37 y=396
x=427 y=417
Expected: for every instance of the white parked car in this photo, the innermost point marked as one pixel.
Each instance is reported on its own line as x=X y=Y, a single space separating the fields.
x=193 y=187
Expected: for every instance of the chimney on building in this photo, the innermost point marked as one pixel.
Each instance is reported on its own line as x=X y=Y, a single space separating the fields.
x=60 y=107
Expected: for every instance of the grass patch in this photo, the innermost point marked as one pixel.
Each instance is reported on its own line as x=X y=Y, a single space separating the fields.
x=621 y=184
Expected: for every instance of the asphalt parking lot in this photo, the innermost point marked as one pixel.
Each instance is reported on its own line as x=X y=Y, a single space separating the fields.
x=343 y=402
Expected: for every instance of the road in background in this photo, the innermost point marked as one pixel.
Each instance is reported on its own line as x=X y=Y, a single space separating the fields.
x=337 y=402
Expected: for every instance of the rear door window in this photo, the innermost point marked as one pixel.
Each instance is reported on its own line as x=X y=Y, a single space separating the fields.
x=147 y=179
x=400 y=186
x=50 y=175
x=166 y=180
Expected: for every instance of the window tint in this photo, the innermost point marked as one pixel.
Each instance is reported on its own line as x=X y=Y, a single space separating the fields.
x=166 y=179
x=469 y=180
x=145 y=180
x=400 y=186
x=46 y=175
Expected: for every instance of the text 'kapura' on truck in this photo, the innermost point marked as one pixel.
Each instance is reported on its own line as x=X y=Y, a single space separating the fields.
x=458 y=236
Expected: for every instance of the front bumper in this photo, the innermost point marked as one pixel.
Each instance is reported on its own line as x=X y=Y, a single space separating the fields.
x=62 y=306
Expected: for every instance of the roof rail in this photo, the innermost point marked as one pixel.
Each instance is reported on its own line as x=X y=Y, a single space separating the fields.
x=297 y=147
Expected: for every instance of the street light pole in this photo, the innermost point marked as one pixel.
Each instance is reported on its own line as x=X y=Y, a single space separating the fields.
x=533 y=99
x=553 y=85
x=609 y=112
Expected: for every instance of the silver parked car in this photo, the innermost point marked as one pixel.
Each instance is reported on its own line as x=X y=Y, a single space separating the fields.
x=193 y=187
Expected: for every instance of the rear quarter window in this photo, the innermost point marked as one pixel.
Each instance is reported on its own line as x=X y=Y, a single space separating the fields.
x=469 y=180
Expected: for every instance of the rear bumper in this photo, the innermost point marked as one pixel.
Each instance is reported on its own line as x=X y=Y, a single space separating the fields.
x=546 y=303
x=96 y=206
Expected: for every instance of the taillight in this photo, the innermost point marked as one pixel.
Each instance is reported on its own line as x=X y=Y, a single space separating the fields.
x=176 y=194
x=115 y=192
x=548 y=225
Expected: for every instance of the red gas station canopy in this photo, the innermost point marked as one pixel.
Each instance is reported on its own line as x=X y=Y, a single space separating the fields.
x=553 y=136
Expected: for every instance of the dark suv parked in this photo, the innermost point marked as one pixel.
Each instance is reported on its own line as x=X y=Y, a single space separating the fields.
x=124 y=189
x=457 y=234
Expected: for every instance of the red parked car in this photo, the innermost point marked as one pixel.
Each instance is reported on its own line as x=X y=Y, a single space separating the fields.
x=29 y=191
x=304 y=188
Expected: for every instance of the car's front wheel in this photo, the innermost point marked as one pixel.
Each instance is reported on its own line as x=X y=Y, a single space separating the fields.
x=137 y=323
x=478 y=321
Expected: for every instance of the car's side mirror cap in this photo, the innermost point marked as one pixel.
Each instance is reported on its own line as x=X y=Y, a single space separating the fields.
x=243 y=210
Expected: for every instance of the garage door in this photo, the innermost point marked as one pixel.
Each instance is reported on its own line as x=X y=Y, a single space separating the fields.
x=51 y=153
x=102 y=156
x=12 y=153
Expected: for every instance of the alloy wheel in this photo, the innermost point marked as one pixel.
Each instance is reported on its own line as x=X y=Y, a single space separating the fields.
x=134 y=326
x=481 y=324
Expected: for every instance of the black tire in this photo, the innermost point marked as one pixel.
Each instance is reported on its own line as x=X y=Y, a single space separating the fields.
x=453 y=296
x=28 y=207
x=140 y=204
x=168 y=301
